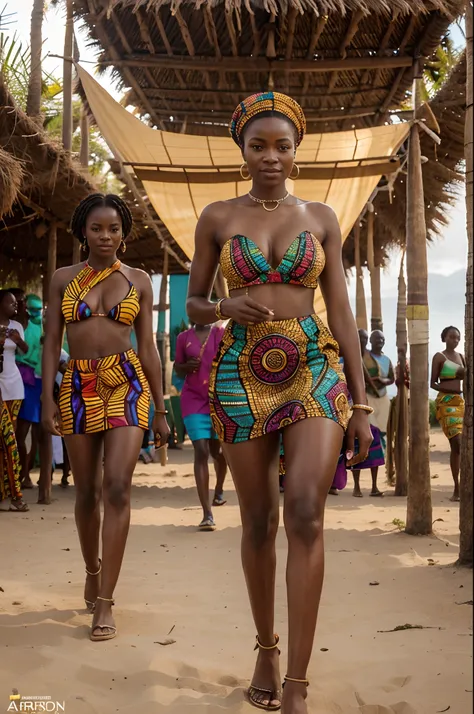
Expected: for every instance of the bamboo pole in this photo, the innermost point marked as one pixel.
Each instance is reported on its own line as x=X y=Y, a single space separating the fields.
x=401 y=426
x=84 y=159
x=52 y=256
x=419 y=507
x=376 y=322
x=67 y=80
x=467 y=466
x=361 y=308
x=162 y=308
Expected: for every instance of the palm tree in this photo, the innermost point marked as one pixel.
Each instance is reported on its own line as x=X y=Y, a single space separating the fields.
x=33 y=102
x=465 y=510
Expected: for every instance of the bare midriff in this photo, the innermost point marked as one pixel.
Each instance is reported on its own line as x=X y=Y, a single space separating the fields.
x=286 y=301
x=97 y=337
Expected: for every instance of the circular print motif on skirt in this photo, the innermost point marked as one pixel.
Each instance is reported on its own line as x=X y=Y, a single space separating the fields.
x=274 y=359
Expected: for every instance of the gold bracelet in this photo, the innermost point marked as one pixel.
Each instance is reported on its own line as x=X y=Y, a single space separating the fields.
x=363 y=408
x=219 y=314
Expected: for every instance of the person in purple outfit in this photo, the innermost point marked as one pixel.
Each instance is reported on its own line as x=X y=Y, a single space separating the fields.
x=195 y=351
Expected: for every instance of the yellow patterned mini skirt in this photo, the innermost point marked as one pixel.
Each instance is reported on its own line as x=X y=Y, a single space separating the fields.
x=106 y=393
x=272 y=374
x=450 y=413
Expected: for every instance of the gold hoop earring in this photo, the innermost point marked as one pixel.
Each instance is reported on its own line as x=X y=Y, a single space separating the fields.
x=246 y=177
x=293 y=178
x=123 y=246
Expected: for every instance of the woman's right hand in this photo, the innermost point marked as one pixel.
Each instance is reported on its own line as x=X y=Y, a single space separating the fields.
x=50 y=417
x=245 y=311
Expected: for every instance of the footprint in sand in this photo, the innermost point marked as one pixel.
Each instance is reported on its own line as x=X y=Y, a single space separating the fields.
x=397 y=683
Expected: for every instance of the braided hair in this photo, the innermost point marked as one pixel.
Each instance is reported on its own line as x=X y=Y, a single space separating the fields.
x=444 y=334
x=97 y=200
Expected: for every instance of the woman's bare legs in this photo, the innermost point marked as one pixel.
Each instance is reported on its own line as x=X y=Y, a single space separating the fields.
x=220 y=466
x=312 y=447
x=22 y=429
x=201 y=475
x=45 y=443
x=254 y=466
x=85 y=455
x=121 y=449
x=455 y=463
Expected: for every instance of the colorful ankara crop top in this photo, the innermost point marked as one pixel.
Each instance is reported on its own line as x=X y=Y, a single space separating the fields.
x=243 y=263
x=75 y=309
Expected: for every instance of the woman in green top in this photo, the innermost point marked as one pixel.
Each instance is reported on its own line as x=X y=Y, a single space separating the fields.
x=447 y=372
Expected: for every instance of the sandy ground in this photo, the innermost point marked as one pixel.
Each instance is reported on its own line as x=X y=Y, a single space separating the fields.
x=174 y=577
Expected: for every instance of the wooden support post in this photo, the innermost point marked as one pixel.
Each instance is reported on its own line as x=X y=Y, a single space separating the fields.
x=51 y=266
x=465 y=508
x=162 y=308
x=376 y=322
x=67 y=79
x=419 y=508
x=84 y=159
x=401 y=412
x=361 y=307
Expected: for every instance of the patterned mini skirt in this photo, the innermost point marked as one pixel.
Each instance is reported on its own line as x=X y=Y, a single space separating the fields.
x=272 y=374
x=106 y=393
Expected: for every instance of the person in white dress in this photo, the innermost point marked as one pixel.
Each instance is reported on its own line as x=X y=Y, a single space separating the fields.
x=11 y=395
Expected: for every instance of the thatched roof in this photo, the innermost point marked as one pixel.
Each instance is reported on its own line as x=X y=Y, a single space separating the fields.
x=48 y=189
x=11 y=175
x=442 y=174
x=347 y=61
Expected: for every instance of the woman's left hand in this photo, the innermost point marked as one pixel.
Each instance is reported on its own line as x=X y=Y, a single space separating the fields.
x=161 y=430
x=359 y=428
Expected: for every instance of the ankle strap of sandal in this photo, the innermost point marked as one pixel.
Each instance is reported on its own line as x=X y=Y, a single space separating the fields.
x=106 y=599
x=88 y=572
x=297 y=681
x=263 y=647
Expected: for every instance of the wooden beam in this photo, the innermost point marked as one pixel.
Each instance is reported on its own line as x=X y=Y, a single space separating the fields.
x=185 y=93
x=233 y=41
x=125 y=44
x=168 y=48
x=346 y=41
x=84 y=160
x=256 y=36
x=116 y=58
x=188 y=41
x=207 y=113
x=419 y=506
x=290 y=39
x=405 y=40
x=258 y=64
x=233 y=176
x=361 y=305
x=144 y=32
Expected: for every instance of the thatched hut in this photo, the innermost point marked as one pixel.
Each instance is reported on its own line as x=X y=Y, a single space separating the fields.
x=187 y=64
x=43 y=184
x=11 y=174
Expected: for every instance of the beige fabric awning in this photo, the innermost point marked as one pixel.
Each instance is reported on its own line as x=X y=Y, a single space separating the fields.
x=183 y=173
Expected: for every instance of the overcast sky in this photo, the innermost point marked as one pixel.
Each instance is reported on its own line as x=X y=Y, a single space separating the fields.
x=447 y=257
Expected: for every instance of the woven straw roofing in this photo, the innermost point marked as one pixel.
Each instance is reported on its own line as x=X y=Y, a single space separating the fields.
x=40 y=183
x=347 y=61
x=10 y=180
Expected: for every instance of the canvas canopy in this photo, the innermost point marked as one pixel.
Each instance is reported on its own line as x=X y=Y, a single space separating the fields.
x=183 y=173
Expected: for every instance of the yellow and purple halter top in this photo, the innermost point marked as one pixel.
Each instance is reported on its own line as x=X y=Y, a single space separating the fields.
x=75 y=309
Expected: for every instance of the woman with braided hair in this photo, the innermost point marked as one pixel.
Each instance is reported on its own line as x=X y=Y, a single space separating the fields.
x=105 y=392
x=277 y=375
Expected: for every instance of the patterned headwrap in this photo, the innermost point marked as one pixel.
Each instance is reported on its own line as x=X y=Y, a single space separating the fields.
x=265 y=102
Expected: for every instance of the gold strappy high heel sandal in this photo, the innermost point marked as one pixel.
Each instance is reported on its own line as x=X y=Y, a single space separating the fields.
x=257 y=694
x=106 y=635
x=89 y=604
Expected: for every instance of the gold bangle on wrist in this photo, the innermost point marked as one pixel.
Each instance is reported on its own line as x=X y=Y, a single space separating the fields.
x=161 y=412
x=363 y=408
x=219 y=314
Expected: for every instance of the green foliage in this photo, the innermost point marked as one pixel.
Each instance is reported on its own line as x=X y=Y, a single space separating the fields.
x=433 y=419
x=439 y=68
